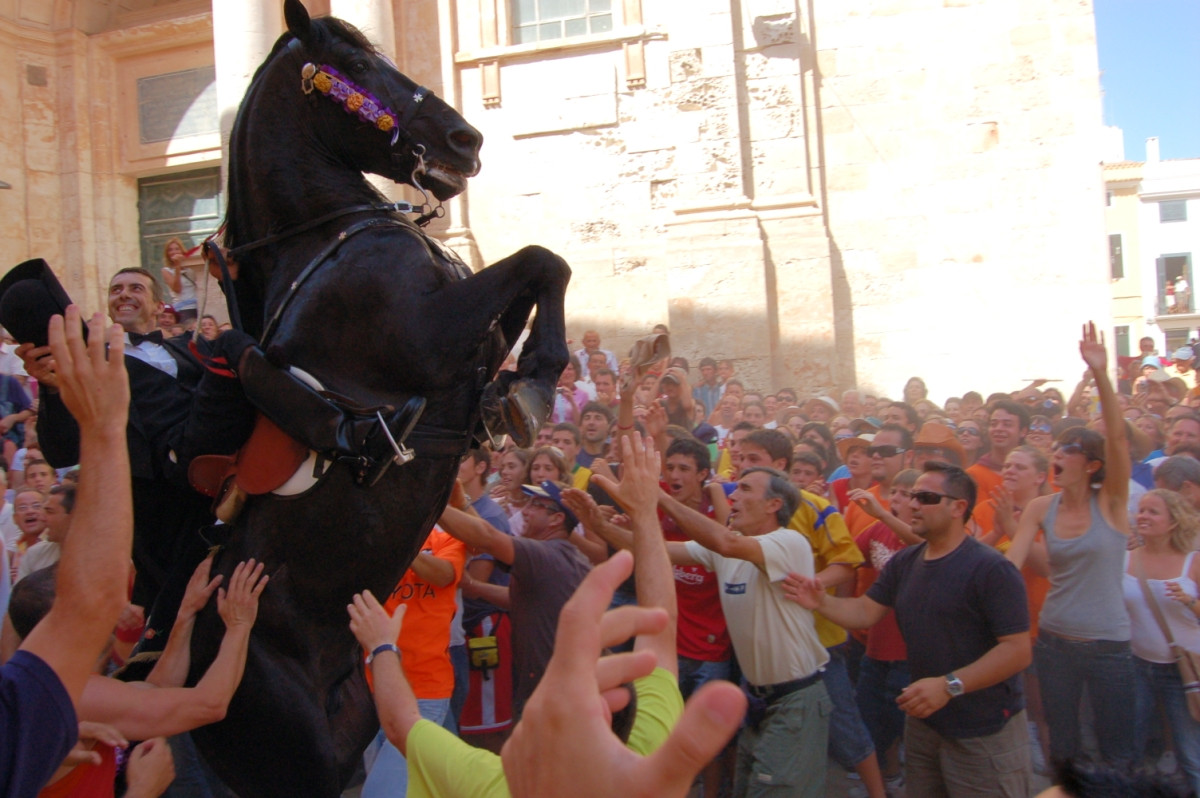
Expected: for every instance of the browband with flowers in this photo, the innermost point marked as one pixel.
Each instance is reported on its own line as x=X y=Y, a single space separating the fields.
x=354 y=99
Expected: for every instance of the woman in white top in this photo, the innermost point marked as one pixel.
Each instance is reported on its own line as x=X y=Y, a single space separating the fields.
x=182 y=282
x=1168 y=525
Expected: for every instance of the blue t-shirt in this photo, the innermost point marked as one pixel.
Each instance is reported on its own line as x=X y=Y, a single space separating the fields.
x=39 y=725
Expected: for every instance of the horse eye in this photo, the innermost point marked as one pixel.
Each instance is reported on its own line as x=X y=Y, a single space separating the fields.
x=359 y=67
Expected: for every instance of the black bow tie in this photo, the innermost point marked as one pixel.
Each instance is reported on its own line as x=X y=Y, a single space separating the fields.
x=155 y=337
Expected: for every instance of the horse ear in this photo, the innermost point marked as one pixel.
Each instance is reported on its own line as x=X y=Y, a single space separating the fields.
x=298 y=21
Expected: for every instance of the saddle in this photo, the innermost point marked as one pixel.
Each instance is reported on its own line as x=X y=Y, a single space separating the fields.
x=265 y=462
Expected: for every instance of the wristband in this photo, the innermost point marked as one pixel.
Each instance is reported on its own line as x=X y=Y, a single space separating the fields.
x=620 y=427
x=380 y=649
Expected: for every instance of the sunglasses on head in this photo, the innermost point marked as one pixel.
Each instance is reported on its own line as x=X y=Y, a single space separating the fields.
x=928 y=497
x=885 y=451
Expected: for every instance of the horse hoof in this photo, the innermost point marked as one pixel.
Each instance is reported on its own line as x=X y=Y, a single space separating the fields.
x=648 y=351
x=524 y=409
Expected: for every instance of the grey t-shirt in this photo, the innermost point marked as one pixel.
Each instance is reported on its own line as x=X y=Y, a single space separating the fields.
x=545 y=574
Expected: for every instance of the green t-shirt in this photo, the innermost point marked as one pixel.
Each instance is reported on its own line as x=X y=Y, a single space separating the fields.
x=441 y=765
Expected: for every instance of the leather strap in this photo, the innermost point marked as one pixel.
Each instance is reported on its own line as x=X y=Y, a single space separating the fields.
x=1155 y=608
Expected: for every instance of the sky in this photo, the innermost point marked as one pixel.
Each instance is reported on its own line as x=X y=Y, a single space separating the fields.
x=1150 y=73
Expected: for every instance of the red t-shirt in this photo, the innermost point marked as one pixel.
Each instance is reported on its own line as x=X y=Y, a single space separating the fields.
x=701 y=632
x=878 y=543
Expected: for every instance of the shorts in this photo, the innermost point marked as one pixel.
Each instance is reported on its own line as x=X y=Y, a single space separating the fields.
x=489 y=705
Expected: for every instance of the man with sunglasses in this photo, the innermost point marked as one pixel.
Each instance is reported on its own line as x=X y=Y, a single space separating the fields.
x=890 y=452
x=962 y=612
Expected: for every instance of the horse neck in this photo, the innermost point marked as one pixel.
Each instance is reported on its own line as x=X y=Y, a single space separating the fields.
x=278 y=138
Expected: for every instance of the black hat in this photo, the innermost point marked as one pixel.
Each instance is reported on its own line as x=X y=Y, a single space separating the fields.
x=29 y=295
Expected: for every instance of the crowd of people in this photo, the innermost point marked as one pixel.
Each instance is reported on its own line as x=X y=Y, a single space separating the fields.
x=939 y=599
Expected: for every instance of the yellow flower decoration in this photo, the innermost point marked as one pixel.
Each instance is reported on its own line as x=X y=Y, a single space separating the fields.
x=354 y=102
x=385 y=122
x=323 y=82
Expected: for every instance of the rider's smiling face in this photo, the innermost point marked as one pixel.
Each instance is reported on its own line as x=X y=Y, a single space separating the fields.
x=131 y=302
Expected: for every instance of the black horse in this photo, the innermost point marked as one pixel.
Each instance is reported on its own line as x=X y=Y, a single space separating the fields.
x=353 y=293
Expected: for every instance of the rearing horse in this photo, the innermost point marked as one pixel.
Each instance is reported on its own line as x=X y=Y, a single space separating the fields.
x=356 y=296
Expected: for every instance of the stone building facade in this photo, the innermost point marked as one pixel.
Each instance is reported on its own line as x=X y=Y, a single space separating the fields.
x=829 y=193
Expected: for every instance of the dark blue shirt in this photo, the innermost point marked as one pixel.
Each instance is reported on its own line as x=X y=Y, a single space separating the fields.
x=39 y=726
x=951 y=611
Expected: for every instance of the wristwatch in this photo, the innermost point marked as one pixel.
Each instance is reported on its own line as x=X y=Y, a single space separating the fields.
x=954 y=685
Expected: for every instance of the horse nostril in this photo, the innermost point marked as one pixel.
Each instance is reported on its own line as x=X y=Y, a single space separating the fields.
x=465 y=140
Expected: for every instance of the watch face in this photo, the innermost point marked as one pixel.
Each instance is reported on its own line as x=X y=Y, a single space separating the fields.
x=954 y=686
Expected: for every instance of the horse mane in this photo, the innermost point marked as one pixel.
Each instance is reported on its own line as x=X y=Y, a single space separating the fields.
x=251 y=288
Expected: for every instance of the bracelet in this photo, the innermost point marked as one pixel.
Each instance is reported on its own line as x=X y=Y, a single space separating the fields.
x=380 y=649
x=625 y=428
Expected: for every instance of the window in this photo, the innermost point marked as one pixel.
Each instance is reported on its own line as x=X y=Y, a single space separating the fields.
x=1108 y=198
x=1174 y=284
x=1172 y=211
x=187 y=205
x=1121 y=335
x=1115 y=262
x=545 y=20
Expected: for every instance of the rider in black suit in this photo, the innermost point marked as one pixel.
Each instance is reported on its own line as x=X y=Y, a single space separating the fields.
x=164 y=433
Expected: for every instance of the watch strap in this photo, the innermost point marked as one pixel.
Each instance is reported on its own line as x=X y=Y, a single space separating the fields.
x=380 y=649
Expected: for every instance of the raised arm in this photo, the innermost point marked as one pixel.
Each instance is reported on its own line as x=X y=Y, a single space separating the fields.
x=1117 y=464
x=377 y=633
x=461 y=521
x=141 y=712
x=171 y=670
x=709 y=534
x=93 y=573
x=653 y=576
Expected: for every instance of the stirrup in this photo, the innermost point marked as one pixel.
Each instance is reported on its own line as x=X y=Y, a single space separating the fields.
x=386 y=448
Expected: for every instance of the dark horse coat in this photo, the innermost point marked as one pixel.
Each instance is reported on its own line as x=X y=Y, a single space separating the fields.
x=380 y=320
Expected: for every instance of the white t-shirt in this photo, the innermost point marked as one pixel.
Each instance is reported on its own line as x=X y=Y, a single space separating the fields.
x=40 y=555
x=775 y=639
x=8 y=528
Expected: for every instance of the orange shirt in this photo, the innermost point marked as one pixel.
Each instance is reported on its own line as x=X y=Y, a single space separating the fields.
x=986 y=480
x=1036 y=586
x=858 y=519
x=425 y=637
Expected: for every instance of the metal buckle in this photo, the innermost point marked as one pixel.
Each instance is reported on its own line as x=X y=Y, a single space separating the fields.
x=403 y=453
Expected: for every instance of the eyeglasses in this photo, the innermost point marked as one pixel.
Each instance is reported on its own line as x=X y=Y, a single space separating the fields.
x=24 y=508
x=885 y=451
x=545 y=505
x=1067 y=448
x=928 y=497
x=968 y=431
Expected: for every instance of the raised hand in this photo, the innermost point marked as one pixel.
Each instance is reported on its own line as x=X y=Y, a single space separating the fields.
x=641 y=466
x=199 y=590
x=92 y=382
x=867 y=500
x=370 y=622
x=239 y=606
x=1091 y=348
x=807 y=591
x=1006 y=514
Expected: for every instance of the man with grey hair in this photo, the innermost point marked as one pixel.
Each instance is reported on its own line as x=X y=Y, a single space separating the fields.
x=1181 y=474
x=781 y=750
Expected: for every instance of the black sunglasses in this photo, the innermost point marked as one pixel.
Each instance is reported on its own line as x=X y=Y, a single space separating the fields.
x=928 y=497
x=885 y=451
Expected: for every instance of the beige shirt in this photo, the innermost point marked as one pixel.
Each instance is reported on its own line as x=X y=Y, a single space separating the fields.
x=775 y=639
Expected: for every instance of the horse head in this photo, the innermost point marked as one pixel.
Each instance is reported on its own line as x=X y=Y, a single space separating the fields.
x=324 y=108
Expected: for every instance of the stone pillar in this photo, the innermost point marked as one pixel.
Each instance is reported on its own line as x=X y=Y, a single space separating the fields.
x=243 y=34
x=372 y=17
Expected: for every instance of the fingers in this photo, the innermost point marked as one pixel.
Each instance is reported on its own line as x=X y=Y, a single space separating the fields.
x=618 y=669
x=619 y=625
x=709 y=720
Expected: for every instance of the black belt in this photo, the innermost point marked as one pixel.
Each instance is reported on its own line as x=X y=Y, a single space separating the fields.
x=771 y=693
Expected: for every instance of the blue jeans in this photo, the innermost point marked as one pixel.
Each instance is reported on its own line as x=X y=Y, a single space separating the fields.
x=460 y=659
x=1157 y=683
x=387 y=771
x=1106 y=667
x=879 y=685
x=695 y=673
x=849 y=741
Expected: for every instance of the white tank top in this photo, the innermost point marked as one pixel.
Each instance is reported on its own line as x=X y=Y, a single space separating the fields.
x=1147 y=639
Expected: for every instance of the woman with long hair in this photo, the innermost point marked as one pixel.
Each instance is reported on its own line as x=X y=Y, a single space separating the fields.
x=970 y=436
x=1083 y=632
x=1167 y=524
x=182 y=282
